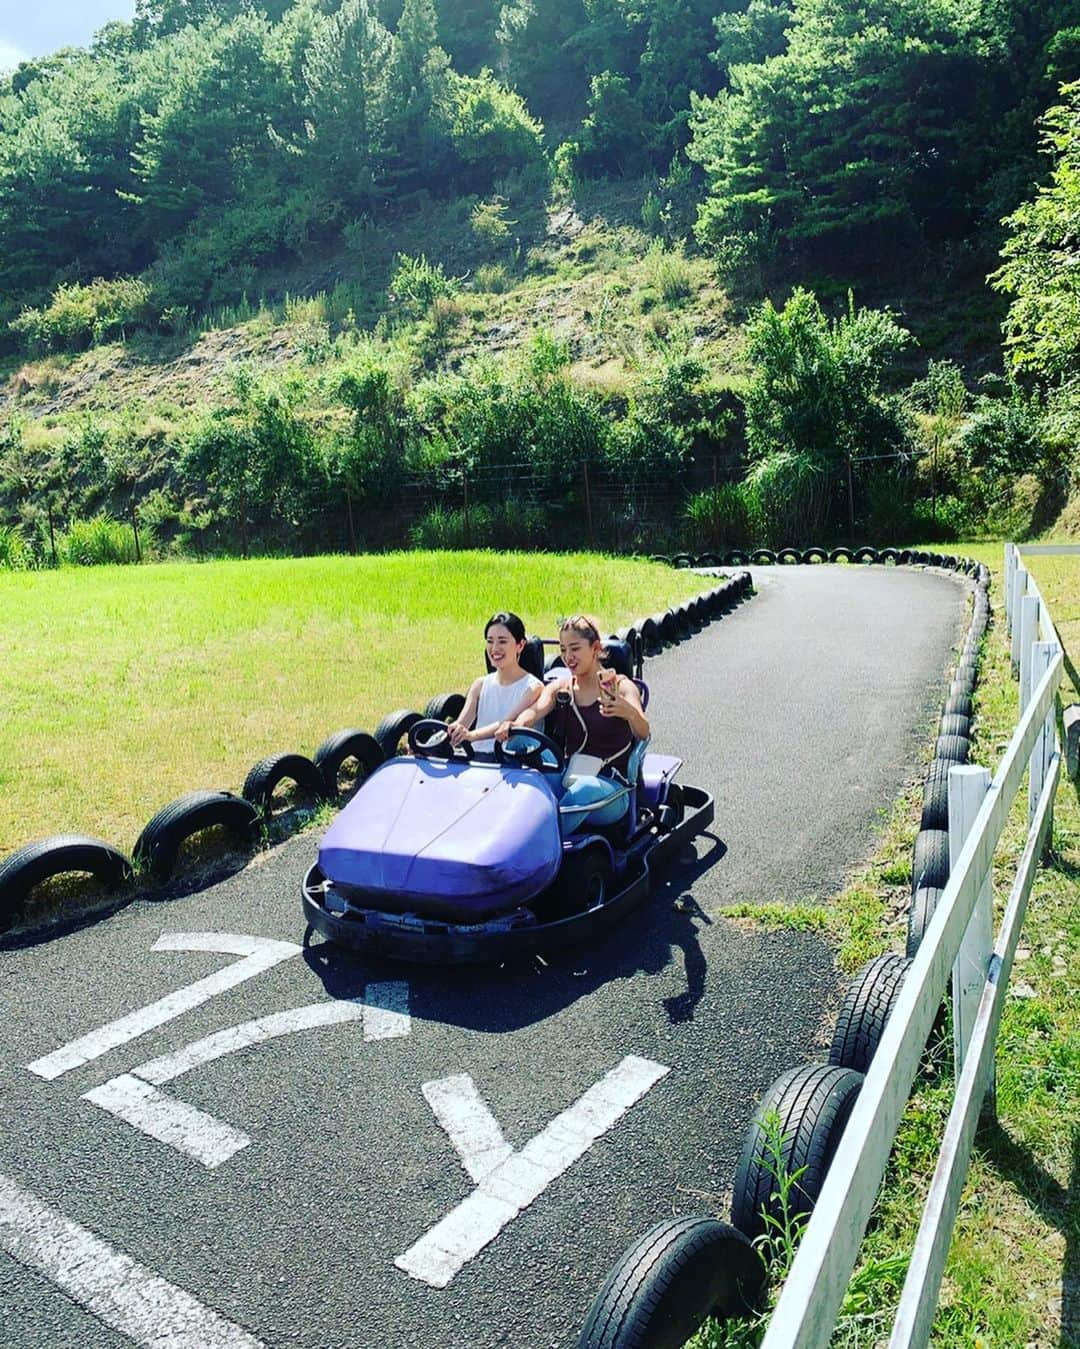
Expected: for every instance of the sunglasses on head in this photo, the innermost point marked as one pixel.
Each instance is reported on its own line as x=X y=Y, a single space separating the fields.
x=580 y=624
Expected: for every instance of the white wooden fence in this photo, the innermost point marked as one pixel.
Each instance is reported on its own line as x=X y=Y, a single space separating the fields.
x=958 y=938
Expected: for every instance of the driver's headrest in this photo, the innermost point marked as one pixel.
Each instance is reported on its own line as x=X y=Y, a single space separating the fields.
x=617 y=656
x=531 y=659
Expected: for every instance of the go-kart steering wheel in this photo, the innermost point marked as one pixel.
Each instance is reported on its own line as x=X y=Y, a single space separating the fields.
x=529 y=757
x=430 y=739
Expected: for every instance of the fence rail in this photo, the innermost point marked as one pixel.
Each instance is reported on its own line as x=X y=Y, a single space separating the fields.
x=957 y=939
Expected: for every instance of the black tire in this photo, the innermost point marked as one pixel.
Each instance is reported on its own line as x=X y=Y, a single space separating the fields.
x=866 y=555
x=841 y=555
x=887 y=555
x=584 y=882
x=708 y=560
x=736 y=557
x=930 y=859
x=336 y=751
x=33 y=863
x=393 y=729
x=953 y=747
x=815 y=555
x=813 y=1103
x=682 y=560
x=663 y=1287
x=866 y=1008
x=962 y=687
x=923 y=903
x=958 y=704
x=905 y=557
x=669 y=627
x=445 y=706
x=955 y=723
x=651 y=635
x=966 y=669
x=935 y=806
x=684 y=621
x=660 y=557
x=763 y=557
x=264 y=778
x=789 y=556
x=156 y=847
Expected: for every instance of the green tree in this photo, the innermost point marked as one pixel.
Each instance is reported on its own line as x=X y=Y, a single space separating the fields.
x=1041 y=269
x=417 y=77
x=343 y=71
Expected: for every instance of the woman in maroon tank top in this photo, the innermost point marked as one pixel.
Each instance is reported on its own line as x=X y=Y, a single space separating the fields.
x=595 y=712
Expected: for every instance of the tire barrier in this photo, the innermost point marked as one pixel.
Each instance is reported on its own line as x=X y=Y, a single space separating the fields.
x=789 y=556
x=394 y=728
x=664 y=1286
x=351 y=745
x=923 y=904
x=867 y=555
x=866 y=1008
x=27 y=867
x=812 y=1104
x=156 y=847
x=763 y=557
x=268 y=774
x=813 y=555
x=445 y=707
x=935 y=807
x=841 y=555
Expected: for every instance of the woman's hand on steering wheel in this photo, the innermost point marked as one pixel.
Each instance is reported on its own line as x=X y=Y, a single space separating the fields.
x=430 y=739
x=518 y=756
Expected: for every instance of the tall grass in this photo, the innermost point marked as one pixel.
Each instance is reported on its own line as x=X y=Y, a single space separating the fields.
x=126 y=686
x=99 y=542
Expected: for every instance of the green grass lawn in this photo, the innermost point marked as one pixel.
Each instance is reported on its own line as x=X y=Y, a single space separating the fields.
x=125 y=686
x=1018 y=1230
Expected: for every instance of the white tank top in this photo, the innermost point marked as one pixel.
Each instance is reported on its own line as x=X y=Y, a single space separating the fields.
x=498 y=702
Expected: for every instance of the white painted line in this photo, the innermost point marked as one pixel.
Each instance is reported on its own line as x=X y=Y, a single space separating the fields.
x=126 y=1296
x=193 y=1132
x=260 y=953
x=387 y=1015
x=472 y=1128
x=248 y=1033
x=513 y=1185
x=132 y=1096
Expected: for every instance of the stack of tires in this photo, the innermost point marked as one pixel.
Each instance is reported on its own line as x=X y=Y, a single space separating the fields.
x=930 y=856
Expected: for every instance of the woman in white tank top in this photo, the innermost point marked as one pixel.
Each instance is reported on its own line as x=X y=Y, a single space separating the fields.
x=494 y=700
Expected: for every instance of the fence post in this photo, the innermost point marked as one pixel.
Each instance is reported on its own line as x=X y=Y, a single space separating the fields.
x=1019 y=591
x=1010 y=568
x=1028 y=621
x=588 y=503
x=968 y=785
x=1043 y=655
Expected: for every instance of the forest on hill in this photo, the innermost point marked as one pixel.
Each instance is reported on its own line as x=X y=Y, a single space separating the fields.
x=635 y=272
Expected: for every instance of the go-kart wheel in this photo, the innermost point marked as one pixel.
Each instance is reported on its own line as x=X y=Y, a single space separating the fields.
x=673 y=809
x=583 y=883
x=529 y=758
x=430 y=739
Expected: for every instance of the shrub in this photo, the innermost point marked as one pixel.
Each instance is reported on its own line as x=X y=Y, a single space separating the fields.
x=79 y=316
x=15 y=552
x=100 y=541
x=509 y=524
x=719 y=518
x=416 y=283
x=669 y=272
x=489 y=223
x=491 y=278
x=787 y=495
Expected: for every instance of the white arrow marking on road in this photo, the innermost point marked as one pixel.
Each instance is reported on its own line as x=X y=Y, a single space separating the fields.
x=125 y=1295
x=260 y=953
x=133 y=1098
x=514 y=1181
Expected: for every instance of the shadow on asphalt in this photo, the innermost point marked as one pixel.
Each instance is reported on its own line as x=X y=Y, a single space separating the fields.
x=522 y=992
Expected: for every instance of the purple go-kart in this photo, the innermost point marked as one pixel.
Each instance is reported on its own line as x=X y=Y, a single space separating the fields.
x=443 y=858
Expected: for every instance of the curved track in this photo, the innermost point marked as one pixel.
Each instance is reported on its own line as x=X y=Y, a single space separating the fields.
x=632 y=1067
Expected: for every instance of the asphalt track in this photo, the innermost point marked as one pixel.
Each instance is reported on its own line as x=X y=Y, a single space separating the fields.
x=805 y=711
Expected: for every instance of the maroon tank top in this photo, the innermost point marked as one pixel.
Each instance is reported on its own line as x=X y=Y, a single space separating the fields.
x=590 y=732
